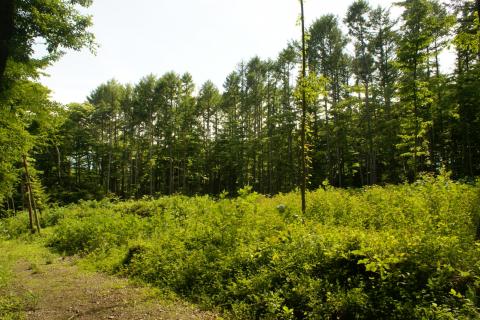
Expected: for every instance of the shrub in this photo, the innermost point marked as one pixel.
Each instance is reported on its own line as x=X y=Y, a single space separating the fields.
x=393 y=252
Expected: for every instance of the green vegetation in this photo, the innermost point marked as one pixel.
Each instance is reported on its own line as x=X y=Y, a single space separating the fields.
x=382 y=113
x=38 y=284
x=398 y=252
x=14 y=303
x=29 y=120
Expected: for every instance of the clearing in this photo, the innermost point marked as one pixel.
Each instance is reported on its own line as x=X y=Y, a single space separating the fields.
x=36 y=284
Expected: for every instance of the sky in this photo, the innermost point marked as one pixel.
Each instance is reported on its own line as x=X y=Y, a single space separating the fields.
x=207 y=38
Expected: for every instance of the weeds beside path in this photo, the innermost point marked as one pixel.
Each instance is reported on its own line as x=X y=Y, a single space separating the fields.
x=40 y=285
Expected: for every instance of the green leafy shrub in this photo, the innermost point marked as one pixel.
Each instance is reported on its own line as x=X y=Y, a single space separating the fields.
x=394 y=252
x=94 y=229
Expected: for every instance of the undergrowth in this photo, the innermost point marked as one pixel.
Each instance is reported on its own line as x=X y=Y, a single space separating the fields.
x=394 y=252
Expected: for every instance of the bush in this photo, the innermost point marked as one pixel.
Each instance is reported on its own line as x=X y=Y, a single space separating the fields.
x=394 y=252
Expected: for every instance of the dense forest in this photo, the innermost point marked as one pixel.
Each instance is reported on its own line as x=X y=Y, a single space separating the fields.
x=380 y=110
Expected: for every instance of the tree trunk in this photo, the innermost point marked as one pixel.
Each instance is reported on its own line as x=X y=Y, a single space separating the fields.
x=13 y=205
x=59 y=164
x=477 y=6
x=30 y=198
x=6 y=33
x=304 y=115
x=29 y=206
x=415 y=114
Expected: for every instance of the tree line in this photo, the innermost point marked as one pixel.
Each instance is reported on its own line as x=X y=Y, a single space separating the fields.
x=379 y=110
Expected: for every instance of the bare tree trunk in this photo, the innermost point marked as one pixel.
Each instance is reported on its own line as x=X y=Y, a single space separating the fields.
x=13 y=205
x=304 y=114
x=109 y=165
x=327 y=140
x=22 y=197
x=30 y=198
x=59 y=164
x=6 y=34
x=270 y=147
x=477 y=5
x=35 y=207
x=29 y=207
x=124 y=161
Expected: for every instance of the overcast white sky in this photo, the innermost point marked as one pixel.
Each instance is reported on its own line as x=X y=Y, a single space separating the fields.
x=207 y=38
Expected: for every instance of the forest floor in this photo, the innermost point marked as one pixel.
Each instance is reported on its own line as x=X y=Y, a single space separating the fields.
x=37 y=284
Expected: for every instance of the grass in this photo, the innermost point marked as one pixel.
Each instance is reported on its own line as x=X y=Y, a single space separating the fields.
x=12 y=303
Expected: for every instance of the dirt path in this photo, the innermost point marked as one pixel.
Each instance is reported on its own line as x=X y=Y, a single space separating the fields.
x=57 y=289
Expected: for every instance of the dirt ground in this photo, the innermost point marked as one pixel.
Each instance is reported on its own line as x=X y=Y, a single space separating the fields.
x=57 y=289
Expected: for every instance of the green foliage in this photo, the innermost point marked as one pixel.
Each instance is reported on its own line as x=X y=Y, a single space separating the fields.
x=397 y=252
x=59 y=23
x=29 y=120
x=12 y=146
x=400 y=252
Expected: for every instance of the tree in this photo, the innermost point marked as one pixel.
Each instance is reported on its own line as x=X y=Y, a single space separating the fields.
x=58 y=23
x=107 y=99
x=287 y=118
x=6 y=34
x=209 y=100
x=145 y=116
x=303 y=124
x=327 y=58
x=24 y=105
x=26 y=112
x=230 y=140
x=466 y=149
x=359 y=28
x=189 y=138
x=441 y=110
x=378 y=111
x=383 y=47
x=415 y=93
x=166 y=133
